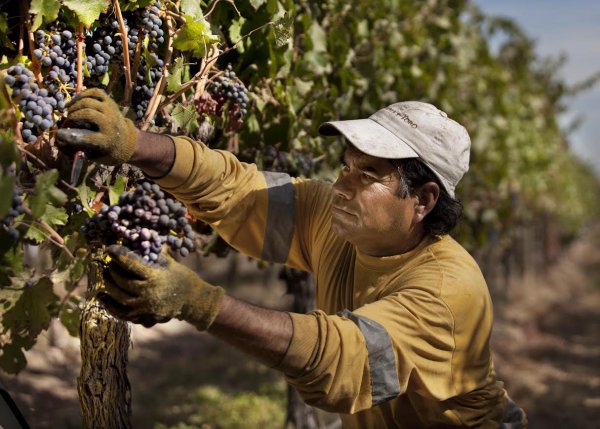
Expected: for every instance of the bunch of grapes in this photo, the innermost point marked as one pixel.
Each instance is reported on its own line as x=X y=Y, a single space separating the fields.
x=228 y=88
x=15 y=210
x=148 y=25
x=57 y=52
x=34 y=102
x=101 y=49
x=143 y=221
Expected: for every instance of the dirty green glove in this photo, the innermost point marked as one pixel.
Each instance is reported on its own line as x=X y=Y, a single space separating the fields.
x=148 y=294
x=96 y=126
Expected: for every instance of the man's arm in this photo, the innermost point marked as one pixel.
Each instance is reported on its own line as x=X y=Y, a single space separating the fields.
x=262 y=333
x=147 y=294
x=154 y=154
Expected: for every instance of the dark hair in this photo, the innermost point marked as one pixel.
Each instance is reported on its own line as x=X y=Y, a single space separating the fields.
x=447 y=211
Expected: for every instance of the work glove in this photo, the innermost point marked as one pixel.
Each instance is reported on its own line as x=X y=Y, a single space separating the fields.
x=96 y=126
x=146 y=293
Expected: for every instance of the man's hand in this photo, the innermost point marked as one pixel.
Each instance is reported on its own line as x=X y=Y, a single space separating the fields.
x=96 y=126
x=149 y=294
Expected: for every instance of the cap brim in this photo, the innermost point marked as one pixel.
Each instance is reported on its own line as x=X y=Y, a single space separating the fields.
x=369 y=137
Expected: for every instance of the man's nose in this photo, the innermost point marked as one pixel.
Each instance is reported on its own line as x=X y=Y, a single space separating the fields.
x=343 y=187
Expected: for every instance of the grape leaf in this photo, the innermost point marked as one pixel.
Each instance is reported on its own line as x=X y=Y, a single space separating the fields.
x=27 y=315
x=87 y=11
x=257 y=3
x=195 y=36
x=283 y=29
x=86 y=195
x=8 y=148
x=7 y=184
x=4 y=40
x=12 y=358
x=191 y=8
x=70 y=316
x=175 y=75
x=185 y=117
x=130 y=5
x=115 y=191
x=55 y=216
x=44 y=11
x=45 y=192
x=235 y=33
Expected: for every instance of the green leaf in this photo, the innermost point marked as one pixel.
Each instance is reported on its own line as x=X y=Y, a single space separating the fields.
x=175 y=75
x=37 y=233
x=43 y=193
x=191 y=8
x=26 y=313
x=195 y=36
x=44 y=11
x=283 y=29
x=55 y=216
x=7 y=184
x=317 y=37
x=130 y=5
x=69 y=316
x=257 y=3
x=8 y=150
x=30 y=315
x=115 y=191
x=86 y=195
x=185 y=116
x=12 y=358
x=235 y=33
x=11 y=257
x=88 y=11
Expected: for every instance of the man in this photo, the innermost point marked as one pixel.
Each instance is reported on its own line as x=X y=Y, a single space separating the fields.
x=401 y=335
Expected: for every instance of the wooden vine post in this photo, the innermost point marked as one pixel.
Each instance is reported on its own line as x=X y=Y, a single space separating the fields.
x=103 y=385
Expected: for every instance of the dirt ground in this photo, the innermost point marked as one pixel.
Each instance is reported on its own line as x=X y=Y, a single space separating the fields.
x=546 y=344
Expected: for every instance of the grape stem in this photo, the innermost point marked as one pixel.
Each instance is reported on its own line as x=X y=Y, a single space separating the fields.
x=53 y=237
x=212 y=8
x=79 y=59
x=37 y=66
x=208 y=64
x=138 y=52
x=43 y=164
x=154 y=101
x=126 y=62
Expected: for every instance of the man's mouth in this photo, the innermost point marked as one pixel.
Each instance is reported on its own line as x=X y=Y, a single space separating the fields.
x=338 y=209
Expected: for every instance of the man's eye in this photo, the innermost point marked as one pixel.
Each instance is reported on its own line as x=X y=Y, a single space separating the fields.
x=368 y=177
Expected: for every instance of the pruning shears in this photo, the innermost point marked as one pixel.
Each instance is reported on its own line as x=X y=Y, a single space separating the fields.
x=78 y=162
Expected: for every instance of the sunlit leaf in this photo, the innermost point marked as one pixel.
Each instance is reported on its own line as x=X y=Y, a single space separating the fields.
x=43 y=11
x=195 y=36
x=88 y=11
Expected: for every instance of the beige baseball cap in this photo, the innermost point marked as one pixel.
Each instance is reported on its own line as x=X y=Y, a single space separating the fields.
x=411 y=129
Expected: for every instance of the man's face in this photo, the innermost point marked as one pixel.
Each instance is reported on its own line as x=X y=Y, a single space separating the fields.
x=367 y=210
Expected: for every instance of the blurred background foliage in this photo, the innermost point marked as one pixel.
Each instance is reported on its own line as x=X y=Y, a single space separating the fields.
x=346 y=59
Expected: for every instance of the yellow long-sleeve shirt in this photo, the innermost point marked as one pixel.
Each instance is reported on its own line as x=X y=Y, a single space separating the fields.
x=396 y=342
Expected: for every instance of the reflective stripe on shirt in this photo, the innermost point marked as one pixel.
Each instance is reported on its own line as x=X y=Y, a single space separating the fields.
x=281 y=217
x=382 y=363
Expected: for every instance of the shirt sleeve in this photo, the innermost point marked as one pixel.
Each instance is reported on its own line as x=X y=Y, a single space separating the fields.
x=266 y=215
x=355 y=360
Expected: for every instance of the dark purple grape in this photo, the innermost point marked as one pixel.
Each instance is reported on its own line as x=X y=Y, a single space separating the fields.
x=143 y=221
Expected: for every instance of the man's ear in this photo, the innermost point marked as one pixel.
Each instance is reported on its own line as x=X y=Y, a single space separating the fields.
x=427 y=196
